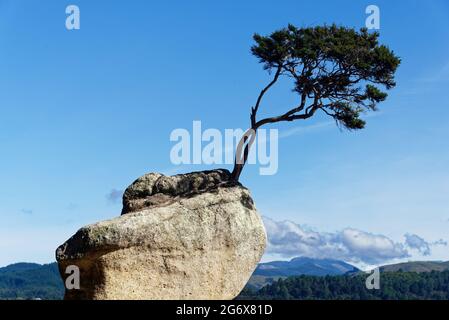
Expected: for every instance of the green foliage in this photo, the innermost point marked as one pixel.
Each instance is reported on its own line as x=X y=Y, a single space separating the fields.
x=340 y=68
x=394 y=286
x=31 y=281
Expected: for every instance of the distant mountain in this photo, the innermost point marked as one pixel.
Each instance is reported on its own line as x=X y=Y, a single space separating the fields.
x=416 y=266
x=269 y=272
x=303 y=265
x=31 y=281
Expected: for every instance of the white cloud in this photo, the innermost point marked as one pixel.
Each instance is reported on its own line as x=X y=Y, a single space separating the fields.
x=370 y=248
x=414 y=241
x=298 y=130
x=289 y=239
x=440 y=242
x=26 y=211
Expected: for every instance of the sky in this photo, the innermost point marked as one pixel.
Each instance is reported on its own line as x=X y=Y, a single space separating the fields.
x=83 y=113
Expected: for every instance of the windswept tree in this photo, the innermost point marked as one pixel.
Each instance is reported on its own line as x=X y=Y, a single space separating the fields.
x=335 y=70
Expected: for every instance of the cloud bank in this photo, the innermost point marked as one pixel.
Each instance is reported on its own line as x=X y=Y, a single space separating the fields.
x=288 y=239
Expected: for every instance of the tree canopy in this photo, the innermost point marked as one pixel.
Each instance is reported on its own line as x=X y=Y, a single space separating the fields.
x=337 y=70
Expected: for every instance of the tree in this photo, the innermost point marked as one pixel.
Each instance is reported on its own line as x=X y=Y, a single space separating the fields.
x=336 y=70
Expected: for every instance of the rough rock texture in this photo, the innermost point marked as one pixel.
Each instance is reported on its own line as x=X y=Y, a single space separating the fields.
x=193 y=236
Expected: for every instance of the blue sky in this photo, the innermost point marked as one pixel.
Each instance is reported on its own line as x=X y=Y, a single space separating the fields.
x=83 y=113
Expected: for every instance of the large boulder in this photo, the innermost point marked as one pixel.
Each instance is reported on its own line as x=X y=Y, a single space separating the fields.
x=192 y=236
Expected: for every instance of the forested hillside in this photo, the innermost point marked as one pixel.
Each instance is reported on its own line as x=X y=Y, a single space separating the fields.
x=31 y=281
x=393 y=286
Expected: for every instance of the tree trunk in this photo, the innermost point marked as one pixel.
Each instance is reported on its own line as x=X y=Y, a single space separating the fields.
x=239 y=162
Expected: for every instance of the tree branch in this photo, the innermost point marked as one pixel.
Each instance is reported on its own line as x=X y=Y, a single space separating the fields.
x=291 y=116
x=262 y=93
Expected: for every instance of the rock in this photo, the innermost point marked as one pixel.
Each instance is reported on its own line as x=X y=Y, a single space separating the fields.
x=192 y=236
x=157 y=189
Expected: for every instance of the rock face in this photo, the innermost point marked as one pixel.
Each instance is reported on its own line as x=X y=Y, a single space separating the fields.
x=192 y=236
